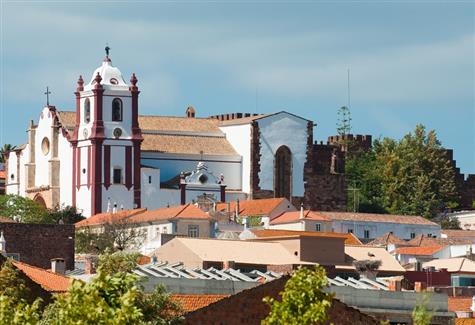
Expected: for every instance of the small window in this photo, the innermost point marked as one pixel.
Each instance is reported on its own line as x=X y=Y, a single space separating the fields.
x=350 y=231
x=165 y=230
x=193 y=231
x=366 y=234
x=117 y=110
x=150 y=179
x=429 y=235
x=117 y=176
x=157 y=232
x=318 y=227
x=413 y=235
x=12 y=177
x=87 y=111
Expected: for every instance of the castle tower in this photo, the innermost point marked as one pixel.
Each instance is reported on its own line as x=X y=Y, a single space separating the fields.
x=106 y=141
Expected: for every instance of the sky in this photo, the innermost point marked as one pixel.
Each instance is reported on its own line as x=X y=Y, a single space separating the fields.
x=410 y=62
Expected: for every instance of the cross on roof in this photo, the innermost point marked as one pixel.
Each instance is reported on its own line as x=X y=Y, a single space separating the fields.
x=107 y=50
x=47 y=93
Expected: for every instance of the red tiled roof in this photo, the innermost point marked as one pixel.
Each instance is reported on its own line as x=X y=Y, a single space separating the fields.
x=350 y=239
x=191 y=303
x=460 y=303
x=293 y=216
x=261 y=207
x=48 y=280
x=6 y=220
x=375 y=217
x=187 y=211
x=108 y=217
x=464 y=321
x=459 y=233
x=420 y=250
x=388 y=238
x=421 y=240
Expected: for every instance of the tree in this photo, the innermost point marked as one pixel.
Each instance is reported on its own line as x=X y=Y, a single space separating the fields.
x=118 y=262
x=19 y=312
x=64 y=215
x=4 y=151
x=117 y=236
x=343 y=125
x=420 y=314
x=450 y=222
x=303 y=299
x=411 y=176
x=22 y=209
x=158 y=308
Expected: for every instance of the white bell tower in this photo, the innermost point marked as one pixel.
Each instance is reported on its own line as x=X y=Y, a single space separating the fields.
x=106 y=141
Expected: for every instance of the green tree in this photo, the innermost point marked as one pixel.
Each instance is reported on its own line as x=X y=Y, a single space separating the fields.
x=158 y=308
x=303 y=299
x=22 y=209
x=343 y=125
x=412 y=176
x=19 y=312
x=118 y=262
x=63 y=214
x=4 y=151
x=420 y=314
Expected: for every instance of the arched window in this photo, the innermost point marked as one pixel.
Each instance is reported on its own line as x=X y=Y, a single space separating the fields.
x=87 y=111
x=117 y=110
x=283 y=172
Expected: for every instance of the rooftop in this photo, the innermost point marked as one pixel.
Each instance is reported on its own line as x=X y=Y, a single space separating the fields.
x=458 y=264
x=374 y=217
x=419 y=250
x=191 y=303
x=359 y=253
x=387 y=238
x=187 y=211
x=460 y=303
x=293 y=216
x=109 y=217
x=350 y=239
x=50 y=281
x=261 y=207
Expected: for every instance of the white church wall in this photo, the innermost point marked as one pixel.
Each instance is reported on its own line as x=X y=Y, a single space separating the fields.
x=150 y=188
x=83 y=195
x=240 y=138
x=24 y=159
x=172 y=165
x=12 y=177
x=126 y=123
x=65 y=154
x=43 y=131
x=278 y=130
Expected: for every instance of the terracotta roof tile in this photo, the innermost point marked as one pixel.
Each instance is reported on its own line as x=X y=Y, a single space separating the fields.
x=353 y=216
x=350 y=239
x=48 y=280
x=191 y=303
x=189 y=144
x=421 y=240
x=177 y=123
x=293 y=216
x=460 y=303
x=386 y=239
x=187 y=211
x=261 y=207
x=67 y=118
x=424 y=250
x=465 y=321
x=109 y=217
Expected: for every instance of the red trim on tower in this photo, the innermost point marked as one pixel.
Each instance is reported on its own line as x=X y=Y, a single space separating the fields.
x=78 y=168
x=74 y=174
x=107 y=166
x=97 y=131
x=79 y=89
x=137 y=178
x=128 y=167
x=89 y=171
x=96 y=176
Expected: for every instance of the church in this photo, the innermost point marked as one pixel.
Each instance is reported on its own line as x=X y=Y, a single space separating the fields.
x=105 y=155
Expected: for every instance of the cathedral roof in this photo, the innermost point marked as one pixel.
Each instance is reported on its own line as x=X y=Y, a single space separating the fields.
x=111 y=76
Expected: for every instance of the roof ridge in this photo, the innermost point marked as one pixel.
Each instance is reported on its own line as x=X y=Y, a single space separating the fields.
x=40 y=269
x=179 y=212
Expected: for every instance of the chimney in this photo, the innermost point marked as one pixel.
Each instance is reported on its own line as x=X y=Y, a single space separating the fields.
x=302 y=213
x=89 y=266
x=58 y=265
x=108 y=204
x=394 y=285
x=3 y=244
x=419 y=286
x=114 y=209
x=237 y=209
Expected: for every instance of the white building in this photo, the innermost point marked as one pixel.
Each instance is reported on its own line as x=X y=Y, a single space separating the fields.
x=104 y=153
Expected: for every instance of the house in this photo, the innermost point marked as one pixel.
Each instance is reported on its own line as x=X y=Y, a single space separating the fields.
x=468 y=235
x=350 y=239
x=278 y=253
x=388 y=241
x=305 y=220
x=461 y=269
x=38 y=244
x=157 y=226
x=368 y=226
x=415 y=254
x=463 y=307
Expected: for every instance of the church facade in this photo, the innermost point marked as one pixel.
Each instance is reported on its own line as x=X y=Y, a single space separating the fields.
x=104 y=155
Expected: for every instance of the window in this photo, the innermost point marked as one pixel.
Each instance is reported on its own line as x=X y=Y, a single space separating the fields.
x=157 y=232
x=429 y=235
x=318 y=227
x=413 y=235
x=116 y=110
x=150 y=179
x=117 y=176
x=193 y=231
x=87 y=111
x=165 y=230
x=366 y=234
x=350 y=231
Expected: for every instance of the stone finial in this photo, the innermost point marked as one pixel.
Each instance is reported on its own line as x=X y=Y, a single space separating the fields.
x=80 y=84
x=3 y=243
x=133 y=80
x=302 y=214
x=98 y=79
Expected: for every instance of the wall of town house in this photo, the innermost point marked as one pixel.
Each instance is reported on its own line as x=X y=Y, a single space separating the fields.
x=204 y=227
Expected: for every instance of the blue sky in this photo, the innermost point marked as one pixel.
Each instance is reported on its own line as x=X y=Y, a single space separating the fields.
x=410 y=62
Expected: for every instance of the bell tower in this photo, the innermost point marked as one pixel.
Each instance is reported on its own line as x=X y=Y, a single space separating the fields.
x=106 y=141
